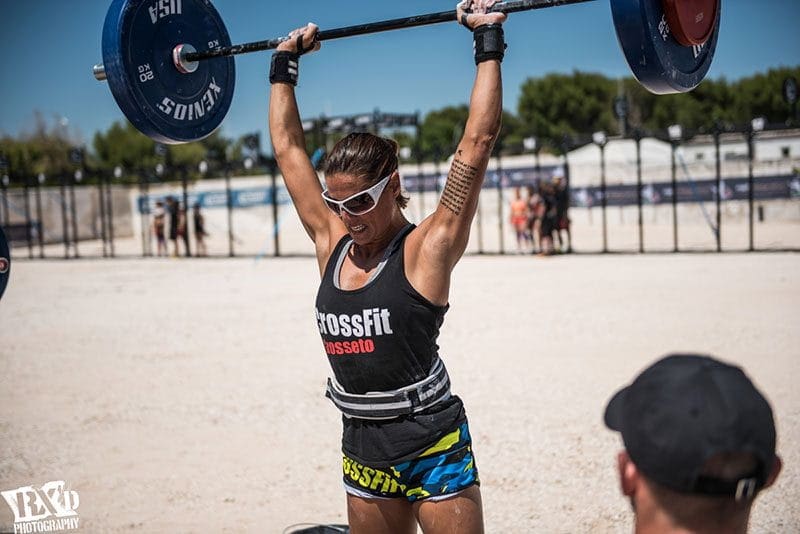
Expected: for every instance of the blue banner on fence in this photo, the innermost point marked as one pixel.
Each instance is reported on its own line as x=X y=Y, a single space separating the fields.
x=240 y=198
x=415 y=183
x=764 y=188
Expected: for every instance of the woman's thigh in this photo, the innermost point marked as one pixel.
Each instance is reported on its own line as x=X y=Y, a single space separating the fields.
x=380 y=516
x=460 y=514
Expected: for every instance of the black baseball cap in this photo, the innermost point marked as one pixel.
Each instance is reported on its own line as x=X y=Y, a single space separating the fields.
x=686 y=408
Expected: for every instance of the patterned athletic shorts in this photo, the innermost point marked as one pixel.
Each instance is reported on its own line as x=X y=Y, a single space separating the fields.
x=442 y=470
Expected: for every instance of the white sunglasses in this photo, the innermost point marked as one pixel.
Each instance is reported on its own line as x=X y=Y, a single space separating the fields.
x=360 y=203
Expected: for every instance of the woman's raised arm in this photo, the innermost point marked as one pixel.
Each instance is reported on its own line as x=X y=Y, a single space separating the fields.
x=288 y=141
x=443 y=236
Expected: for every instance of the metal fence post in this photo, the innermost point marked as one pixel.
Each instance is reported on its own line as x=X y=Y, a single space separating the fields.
x=273 y=171
x=37 y=184
x=603 y=199
x=638 y=138
x=186 y=210
x=719 y=187
x=102 y=200
x=500 y=225
x=28 y=222
x=674 y=198
x=64 y=230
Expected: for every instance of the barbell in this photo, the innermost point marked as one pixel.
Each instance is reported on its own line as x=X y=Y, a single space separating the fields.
x=169 y=63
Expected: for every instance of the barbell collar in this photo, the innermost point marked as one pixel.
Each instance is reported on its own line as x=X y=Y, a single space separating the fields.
x=99 y=72
x=179 y=58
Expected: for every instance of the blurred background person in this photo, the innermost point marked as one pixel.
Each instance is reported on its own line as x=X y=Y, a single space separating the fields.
x=159 y=227
x=534 y=203
x=199 y=229
x=181 y=229
x=561 y=194
x=548 y=219
x=173 y=212
x=519 y=221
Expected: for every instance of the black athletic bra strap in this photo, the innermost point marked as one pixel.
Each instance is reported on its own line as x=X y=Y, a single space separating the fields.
x=398 y=239
x=334 y=257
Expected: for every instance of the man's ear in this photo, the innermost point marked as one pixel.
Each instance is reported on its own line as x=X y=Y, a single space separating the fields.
x=776 y=470
x=628 y=474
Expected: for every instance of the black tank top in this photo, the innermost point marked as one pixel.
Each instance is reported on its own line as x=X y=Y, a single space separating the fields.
x=381 y=337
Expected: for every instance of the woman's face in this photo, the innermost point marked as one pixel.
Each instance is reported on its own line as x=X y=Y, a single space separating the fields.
x=371 y=225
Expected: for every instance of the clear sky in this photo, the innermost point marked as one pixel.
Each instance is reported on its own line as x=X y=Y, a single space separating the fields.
x=47 y=49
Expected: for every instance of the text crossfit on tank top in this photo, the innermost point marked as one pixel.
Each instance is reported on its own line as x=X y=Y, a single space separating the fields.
x=365 y=326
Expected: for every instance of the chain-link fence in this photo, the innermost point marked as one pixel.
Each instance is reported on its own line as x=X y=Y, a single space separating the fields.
x=718 y=193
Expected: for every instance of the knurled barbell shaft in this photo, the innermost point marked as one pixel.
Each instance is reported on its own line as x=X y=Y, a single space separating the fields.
x=375 y=27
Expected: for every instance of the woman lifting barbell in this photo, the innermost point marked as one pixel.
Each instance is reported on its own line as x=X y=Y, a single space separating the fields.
x=384 y=292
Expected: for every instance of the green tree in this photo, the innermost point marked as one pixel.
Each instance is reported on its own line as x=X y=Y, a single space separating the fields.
x=442 y=129
x=580 y=103
x=761 y=95
x=43 y=150
x=404 y=140
x=561 y=104
x=124 y=145
x=511 y=134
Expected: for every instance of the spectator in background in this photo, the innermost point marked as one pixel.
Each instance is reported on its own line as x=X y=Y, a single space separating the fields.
x=534 y=206
x=561 y=193
x=519 y=220
x=548 y=219
x=159 y=226
x=699 y=446
x=182 y=228
x=199 y=230
x=172 y=211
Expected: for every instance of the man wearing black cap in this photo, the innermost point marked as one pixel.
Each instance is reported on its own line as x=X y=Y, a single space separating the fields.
x=699 y=445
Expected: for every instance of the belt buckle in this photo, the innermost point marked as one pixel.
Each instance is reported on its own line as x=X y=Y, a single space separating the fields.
x=413 y=398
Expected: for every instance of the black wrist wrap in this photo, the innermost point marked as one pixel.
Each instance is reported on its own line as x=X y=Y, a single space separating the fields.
x=284 y=67
x=489 y=43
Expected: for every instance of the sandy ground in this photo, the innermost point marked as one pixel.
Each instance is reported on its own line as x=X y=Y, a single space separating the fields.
x=187 y=396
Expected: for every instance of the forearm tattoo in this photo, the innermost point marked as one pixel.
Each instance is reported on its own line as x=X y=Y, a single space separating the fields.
x=459 y=182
